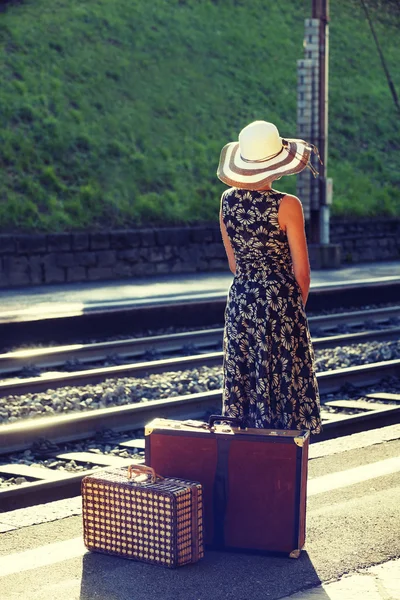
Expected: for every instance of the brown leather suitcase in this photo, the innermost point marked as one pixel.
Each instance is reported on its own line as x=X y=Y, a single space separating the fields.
x=146 y=517
x=254 y=480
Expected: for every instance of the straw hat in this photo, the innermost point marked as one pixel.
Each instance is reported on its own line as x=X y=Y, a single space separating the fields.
x=261 y=155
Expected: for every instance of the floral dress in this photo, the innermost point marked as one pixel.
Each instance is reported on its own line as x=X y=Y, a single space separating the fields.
x=269 y=378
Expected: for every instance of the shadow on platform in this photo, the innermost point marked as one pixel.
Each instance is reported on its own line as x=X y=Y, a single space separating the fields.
x=218 y=576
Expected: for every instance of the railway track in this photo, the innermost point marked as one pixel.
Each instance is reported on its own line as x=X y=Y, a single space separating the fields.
x=47 y=484
x=13 y=362
x=183 y=342
x=211 y=359
x=71 y=323
x=340 y=417
x=77 y=425
x=84 y=424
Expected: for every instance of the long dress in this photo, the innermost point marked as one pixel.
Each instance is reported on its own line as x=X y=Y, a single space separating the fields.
x=269 y=379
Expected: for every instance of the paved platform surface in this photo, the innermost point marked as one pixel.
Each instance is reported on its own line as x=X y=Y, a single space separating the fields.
x=76 y=297
x=352 y=550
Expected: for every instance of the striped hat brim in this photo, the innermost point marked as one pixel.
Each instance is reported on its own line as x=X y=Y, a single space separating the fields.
x=236 y=172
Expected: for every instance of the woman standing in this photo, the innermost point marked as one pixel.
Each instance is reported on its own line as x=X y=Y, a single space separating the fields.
x=268 y=365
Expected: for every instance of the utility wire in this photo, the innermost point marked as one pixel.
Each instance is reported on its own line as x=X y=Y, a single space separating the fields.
x=388 y=77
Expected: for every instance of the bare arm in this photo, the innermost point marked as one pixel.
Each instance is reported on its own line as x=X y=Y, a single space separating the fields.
x=291 y=220
x=228 y=247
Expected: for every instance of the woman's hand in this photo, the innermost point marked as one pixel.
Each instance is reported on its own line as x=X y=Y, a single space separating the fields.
x=228 y=247
x=291 y=220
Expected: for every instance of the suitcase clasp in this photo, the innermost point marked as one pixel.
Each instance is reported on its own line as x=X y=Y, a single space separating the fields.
x=226 y=429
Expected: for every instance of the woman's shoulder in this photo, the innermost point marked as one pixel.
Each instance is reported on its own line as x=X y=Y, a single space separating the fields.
x=291 y=210
x=290 y=202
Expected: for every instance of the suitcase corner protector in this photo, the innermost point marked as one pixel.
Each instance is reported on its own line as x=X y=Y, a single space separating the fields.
x=300 y=440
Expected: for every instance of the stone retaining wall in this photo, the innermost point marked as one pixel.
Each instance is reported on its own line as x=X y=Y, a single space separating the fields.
x=367 y=240
x=71 y=257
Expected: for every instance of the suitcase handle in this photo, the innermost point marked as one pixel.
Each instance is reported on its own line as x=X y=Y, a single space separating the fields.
x=144 y=469
x=234 y=420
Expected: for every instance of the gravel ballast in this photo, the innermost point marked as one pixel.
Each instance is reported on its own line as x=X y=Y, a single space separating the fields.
x=128 y=390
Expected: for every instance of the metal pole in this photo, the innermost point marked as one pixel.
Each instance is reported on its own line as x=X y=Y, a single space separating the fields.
x=320 y=216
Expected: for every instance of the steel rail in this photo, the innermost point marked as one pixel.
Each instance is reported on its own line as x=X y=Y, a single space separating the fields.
x=354 y=317
x=50 y=380
x=81 y=425
x=55 y=356
x=86 y=353
x=360 y=337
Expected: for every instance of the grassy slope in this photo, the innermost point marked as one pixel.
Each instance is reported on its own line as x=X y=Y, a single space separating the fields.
x=115 y=113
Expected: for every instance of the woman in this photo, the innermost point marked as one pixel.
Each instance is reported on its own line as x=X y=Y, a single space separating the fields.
x=268 y=365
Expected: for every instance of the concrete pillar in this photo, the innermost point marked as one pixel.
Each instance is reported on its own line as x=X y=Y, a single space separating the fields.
x=315 y=201
x=304 y=127
x=311 y=47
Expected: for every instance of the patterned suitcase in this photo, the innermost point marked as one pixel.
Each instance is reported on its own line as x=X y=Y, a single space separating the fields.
x=254 y=480
x=147 y=517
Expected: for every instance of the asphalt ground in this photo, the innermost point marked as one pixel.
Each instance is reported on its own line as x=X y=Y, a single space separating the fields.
x=353 y=523
x=52 y=299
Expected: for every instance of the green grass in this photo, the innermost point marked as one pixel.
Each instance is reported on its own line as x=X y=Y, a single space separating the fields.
x=113 y=114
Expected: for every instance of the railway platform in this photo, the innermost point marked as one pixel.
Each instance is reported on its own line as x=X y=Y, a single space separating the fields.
x=352 y=549
x=35 y=302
